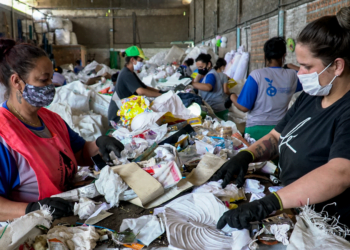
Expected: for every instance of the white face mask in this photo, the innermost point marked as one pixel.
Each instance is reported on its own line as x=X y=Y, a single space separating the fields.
x=138 y=66
x=311 y=84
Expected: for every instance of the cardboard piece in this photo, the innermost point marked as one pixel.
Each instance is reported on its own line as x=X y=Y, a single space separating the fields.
x=145 y=186
x=205 y=169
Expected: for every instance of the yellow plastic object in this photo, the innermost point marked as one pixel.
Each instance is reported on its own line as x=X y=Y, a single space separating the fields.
x=233 y=206
x=131 y=107
x=231 y=83
x=197 y=121
x=194 y=74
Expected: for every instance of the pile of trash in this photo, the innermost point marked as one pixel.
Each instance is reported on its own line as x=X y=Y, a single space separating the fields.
x=83 y=108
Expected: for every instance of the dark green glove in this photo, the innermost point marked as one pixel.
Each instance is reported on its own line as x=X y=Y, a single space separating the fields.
x=58 y=207
x=108 y=144
x=237 y=165
x=249 y=212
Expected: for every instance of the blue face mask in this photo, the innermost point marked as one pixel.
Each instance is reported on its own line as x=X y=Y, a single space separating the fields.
x=39 y=96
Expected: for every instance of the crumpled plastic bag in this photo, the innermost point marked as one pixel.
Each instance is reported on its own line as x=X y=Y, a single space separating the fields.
x=280 y=232
x=75 y=238
x=171 y=102
x=23 y=228
x=253 y=186
x=84 y=208
x=229 y=192
x=110 y=185
x=131 y=107
x=147 y=228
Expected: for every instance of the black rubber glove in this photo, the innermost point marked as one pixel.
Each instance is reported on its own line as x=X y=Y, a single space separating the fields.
x=58 y=207
x=237 y=165
x=162 y=91
x=108 y=144
x=249 y=212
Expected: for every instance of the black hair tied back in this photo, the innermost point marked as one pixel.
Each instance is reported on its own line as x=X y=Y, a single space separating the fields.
x=5 y=46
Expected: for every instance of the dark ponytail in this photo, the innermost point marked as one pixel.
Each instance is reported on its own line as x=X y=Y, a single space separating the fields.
x=219 y=63
x=328 y=37
x=189 y=62
x=205 y=58
x=17 y=58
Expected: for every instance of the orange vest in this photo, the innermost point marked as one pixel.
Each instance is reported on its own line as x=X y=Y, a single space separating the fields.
x=52 y=159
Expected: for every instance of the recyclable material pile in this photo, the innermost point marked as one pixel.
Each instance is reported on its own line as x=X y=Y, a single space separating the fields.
x=56 y=30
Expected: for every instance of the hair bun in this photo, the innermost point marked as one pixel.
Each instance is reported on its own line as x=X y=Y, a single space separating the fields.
x=5 y=45
x=343 y=17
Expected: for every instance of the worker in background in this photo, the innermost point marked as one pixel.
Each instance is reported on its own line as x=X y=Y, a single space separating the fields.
x=209 y=86
x=78 y=67
x=128 y=83
x=39 y=152
x=185 y=68
x=267 y=91
x=312 y=140
x=220 y=67
x=58 y=79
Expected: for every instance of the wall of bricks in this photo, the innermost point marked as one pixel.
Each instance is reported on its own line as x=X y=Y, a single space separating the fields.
x=255 y=34
x=259 y=34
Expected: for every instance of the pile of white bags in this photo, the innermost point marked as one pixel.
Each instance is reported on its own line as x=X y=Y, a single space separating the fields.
x=62 y=37
x=55 y=23
x=49 y=36
x=238 y=66
x=83 y=108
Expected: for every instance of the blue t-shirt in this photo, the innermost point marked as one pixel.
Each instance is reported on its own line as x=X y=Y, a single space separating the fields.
x=17 y=179
x=249 y=92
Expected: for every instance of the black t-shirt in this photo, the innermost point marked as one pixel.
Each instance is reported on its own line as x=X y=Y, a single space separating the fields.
x=310 y=137
x=127 y=84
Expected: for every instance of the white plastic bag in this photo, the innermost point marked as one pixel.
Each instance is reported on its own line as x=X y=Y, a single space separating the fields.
x=242 y=67
x=62 y=37
x=174 y=54
x=73 y=39
x=110 y=185
x=67 y=25
x=171 y=102
x=55 y=23
x=147 y=228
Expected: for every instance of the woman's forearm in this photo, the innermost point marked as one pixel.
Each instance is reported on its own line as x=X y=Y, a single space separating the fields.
x=266 y=148
x=318 y=186
x=202 y=86
x=10 y=210
x=89 y=150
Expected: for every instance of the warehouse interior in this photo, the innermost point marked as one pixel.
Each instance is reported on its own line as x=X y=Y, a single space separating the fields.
x=174 y=124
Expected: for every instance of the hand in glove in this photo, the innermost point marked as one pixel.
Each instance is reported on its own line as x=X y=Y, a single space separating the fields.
x=249 y=212
x=108 y=144
x=58 y=207
x=237 y=165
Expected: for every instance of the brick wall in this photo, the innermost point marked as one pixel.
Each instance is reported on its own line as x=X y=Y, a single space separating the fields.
x=259 y=35
x=321 y=8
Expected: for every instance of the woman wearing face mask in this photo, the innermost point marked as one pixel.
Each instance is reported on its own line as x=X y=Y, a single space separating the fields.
x=267 y=91
x=39 y=152
x=312 y=140
x=209 y=86
x=220 y=67
x=128 y=82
